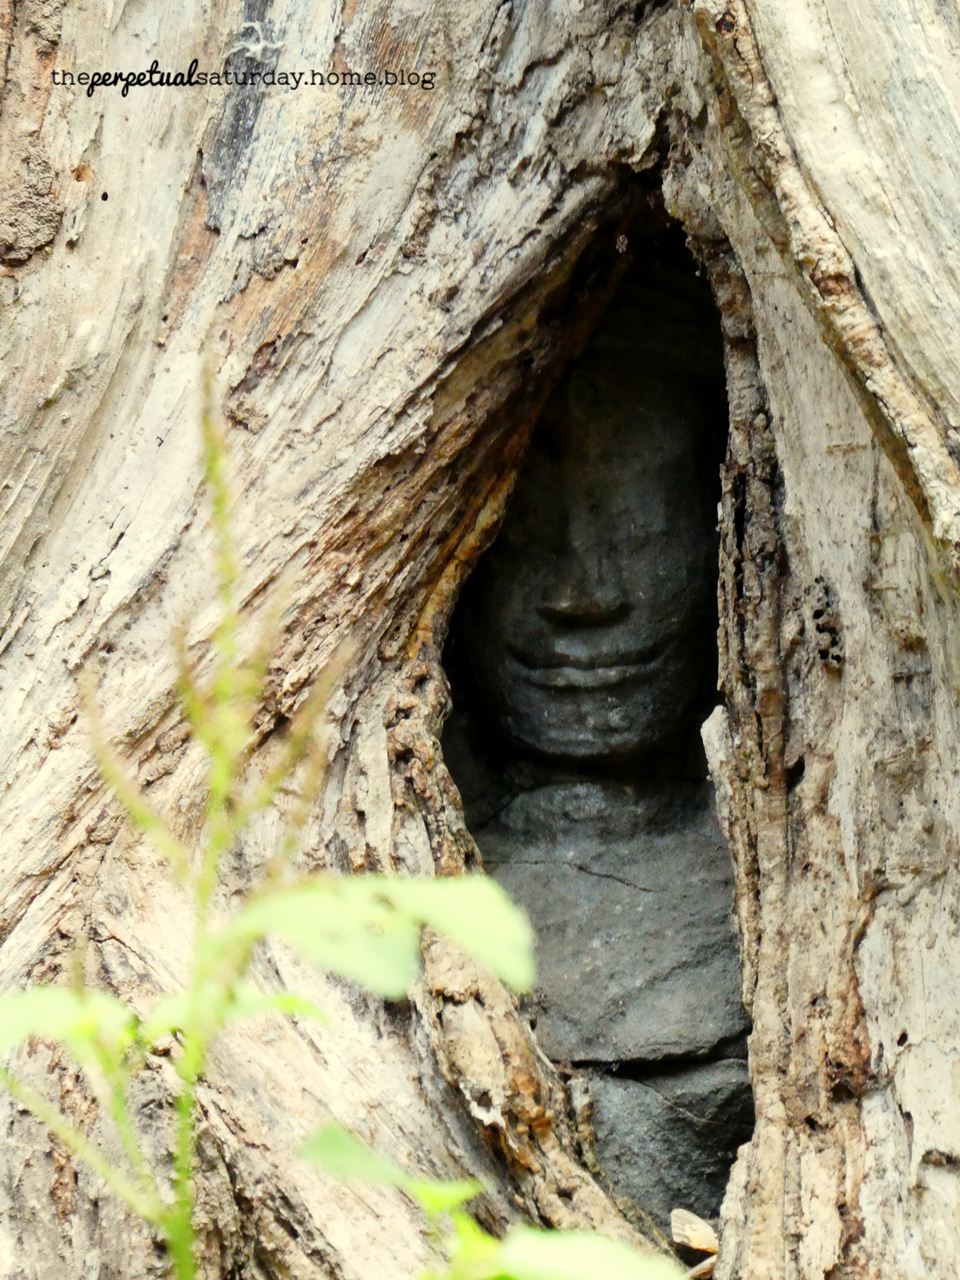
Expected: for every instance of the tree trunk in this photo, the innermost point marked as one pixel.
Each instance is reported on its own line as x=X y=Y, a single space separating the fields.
x=385 y=282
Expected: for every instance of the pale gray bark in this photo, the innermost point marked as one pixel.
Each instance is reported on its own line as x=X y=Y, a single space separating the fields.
x=371 y=277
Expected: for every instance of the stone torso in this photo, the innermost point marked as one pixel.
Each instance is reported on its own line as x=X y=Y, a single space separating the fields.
x=639 y=976
x=630 y=899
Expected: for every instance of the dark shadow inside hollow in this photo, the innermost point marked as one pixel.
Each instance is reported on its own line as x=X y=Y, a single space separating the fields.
x=582 y=662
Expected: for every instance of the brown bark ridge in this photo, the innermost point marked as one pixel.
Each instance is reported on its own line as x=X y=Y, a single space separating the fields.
x=385 y=283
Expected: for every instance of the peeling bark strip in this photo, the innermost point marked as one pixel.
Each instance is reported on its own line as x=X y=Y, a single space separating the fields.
x=833 y=755
x=917 y=432
x=385 y=287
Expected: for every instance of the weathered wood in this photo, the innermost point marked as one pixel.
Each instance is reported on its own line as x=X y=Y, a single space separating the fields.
x=835 y=755
x=384 y=283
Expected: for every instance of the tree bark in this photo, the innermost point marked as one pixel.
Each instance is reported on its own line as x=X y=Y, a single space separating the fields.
x=385 y=283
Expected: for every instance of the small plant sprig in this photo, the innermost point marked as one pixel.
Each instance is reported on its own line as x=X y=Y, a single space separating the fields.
x=365 y=928
x=524 y=1253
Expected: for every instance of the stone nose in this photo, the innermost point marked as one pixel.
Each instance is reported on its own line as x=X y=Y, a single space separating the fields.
x=585 y=603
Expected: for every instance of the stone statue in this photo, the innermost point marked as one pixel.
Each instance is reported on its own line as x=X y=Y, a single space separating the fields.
x=582 y=661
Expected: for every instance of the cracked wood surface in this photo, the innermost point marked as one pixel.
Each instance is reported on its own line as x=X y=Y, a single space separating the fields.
x=383 y=287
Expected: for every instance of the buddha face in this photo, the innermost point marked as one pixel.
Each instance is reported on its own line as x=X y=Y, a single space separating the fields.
x=587 y=626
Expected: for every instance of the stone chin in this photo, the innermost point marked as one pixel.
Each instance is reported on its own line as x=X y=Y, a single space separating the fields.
x=583 y=748
x=585 y=729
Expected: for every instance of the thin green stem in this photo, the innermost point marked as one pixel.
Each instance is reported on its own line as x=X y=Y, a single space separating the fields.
x=208 y=997
x=147 y=1206
x=231 y=697
x=139 y=809
x=178 y=1228
x=221 y=719
x=119 y=1107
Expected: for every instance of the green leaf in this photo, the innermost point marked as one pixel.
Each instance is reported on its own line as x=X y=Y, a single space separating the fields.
x=474 y=912
x=345 y=1156
x=436 y=1197
x=528 y=1254
x=338 y=1151
x=245 y=1001
x=340 y=924
x=248 y=1001
x=79 y=1019
x=474 y=1253
x=167 y=1016
x=367 y=927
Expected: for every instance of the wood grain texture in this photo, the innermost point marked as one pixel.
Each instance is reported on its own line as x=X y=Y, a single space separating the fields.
x=383 y=285
x=834 y=756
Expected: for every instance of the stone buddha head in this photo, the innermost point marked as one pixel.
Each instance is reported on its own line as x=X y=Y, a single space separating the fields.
x=588 y=629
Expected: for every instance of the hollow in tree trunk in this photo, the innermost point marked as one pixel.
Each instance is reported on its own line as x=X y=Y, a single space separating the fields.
x=387 y=284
